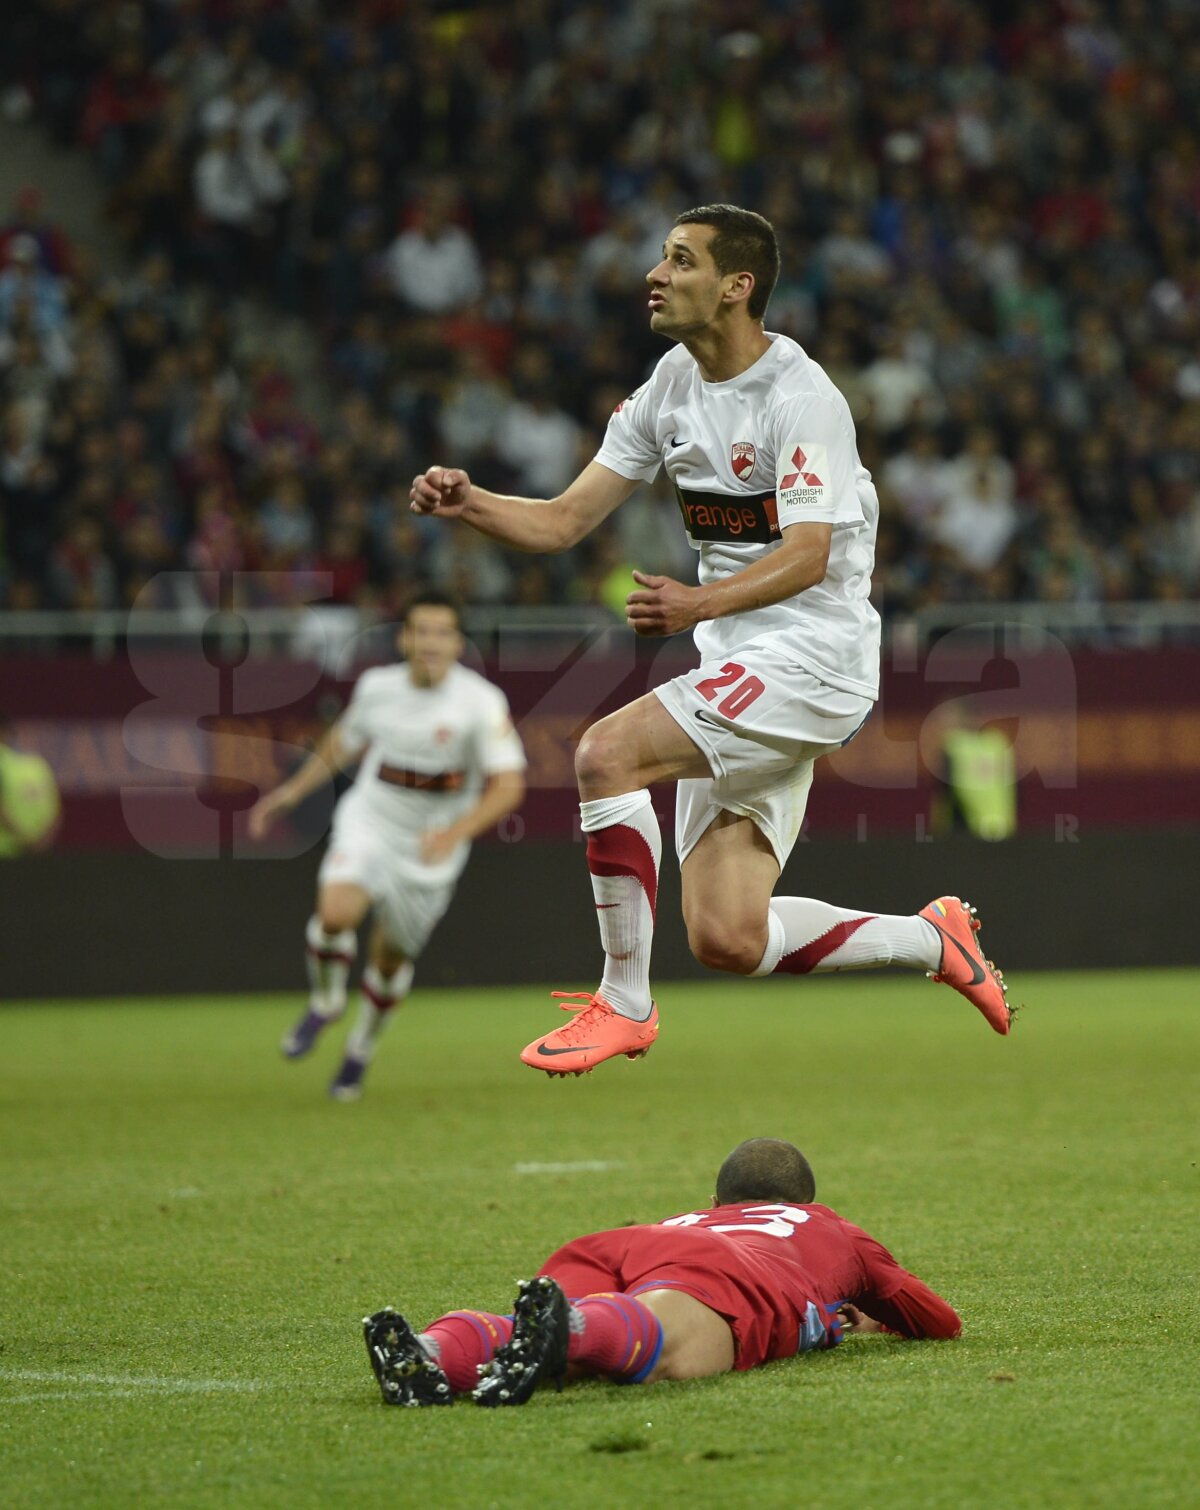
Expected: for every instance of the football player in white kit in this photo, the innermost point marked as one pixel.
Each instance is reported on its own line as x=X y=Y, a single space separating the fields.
x=440 y=762
x=761 y=448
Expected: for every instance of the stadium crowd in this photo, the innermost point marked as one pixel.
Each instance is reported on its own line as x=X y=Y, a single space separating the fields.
x=990 y=218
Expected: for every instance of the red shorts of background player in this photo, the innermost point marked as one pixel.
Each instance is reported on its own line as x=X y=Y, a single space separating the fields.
x=764 y=1303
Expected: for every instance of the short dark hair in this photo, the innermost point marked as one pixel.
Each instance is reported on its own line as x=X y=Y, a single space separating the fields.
x=765 y=1169
x=431 y=597
x=745 y=243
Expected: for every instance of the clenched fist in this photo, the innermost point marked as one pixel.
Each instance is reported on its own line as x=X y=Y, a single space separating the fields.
x=440 y=491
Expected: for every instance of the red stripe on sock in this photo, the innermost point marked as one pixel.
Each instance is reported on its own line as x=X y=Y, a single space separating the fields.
x=619 y=1334
x=466 y=1339
x=380 y=1003
x=621 y=851
x=802 y=961
x=329 y=954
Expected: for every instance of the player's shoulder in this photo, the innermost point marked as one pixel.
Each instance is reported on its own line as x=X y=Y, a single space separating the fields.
x=801 y=387
x=795 y=374
x=381 y=679
x=466 y=683
x=674 y=367
x=831 y=1220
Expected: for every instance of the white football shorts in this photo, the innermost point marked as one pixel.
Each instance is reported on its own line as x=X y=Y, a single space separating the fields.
x=408 y=907
x=761 y=722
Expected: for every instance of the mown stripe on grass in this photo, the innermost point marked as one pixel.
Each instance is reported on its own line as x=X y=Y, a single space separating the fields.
x=576 y=1166
x=121 y=1384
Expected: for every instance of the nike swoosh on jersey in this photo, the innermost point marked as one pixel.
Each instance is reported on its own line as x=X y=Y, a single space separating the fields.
x=675 y=442
x=977 y=976
x=581 y=1048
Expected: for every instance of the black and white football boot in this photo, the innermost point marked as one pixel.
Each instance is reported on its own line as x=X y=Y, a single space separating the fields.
x=536 y=1350
x=407 y=1374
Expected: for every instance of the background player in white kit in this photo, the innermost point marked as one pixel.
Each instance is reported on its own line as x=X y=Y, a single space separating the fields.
x=440 y=763
x=761 y=448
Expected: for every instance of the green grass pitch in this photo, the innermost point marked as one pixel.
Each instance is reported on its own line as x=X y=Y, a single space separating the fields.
x=192 y=1231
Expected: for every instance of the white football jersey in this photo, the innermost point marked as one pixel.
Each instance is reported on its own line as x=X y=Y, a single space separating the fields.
x=772 y=447
x=427 y=753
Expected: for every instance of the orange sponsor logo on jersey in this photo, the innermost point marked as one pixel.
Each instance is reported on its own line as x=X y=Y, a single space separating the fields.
x=709 y=516
x=720 y=516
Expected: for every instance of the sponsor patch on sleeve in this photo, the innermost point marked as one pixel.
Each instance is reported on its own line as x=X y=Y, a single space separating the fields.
x=803 y=474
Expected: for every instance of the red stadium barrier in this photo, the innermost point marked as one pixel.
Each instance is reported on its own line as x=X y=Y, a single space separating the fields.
x=166 y=754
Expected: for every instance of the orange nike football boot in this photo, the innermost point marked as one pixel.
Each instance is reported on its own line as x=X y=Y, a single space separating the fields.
x=963 y=965
x=594 y=1034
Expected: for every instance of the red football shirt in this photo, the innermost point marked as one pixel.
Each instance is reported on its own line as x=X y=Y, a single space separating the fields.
x=777 y=1274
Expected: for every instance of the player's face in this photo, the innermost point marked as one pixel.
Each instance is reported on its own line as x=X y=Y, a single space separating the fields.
x=685 y=288
x=431 y=642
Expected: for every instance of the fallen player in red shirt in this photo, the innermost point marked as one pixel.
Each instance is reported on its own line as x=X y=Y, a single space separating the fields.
x=763 y=1274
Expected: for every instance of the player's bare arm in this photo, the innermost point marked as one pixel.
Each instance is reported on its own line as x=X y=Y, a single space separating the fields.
x=539 y=525
x=502 y=795
x=854 y=1320
x=664 y=606
x=328 y=757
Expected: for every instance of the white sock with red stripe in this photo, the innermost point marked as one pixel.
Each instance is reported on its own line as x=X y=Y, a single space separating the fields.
x=804 y=935
x=623 y=853
x=379 y=994
x=330 y=956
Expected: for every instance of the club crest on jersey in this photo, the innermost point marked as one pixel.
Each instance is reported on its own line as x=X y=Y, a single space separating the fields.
x=743 y=457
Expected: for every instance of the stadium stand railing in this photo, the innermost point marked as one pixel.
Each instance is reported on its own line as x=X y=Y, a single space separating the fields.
x=300 y=630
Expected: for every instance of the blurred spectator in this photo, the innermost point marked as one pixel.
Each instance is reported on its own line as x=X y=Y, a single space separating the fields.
x=216 y=542
x=29 y=485
x=274 y=421
x=28 y=293
x=917 y=477
x=1030 y=317
x=899 y=389
x=977 y=519
x=82 y=574
x=474 y=569
x=537 y=439
x=120 y=110
x=227 y=198
x=848 y=259
x=474 y=405
x=55 y=252
x=287 y=528
x=434 y=265
x=980 y=464
x=343 y=560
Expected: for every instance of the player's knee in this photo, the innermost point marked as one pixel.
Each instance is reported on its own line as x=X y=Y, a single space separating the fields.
x=601 y=760
x=386 y=959
x=723 y=945
x=338 y=914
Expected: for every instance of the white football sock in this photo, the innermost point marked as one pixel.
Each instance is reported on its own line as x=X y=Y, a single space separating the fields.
x=805 y=935
x=624 y=850
x=330 y=956
x=379 y=994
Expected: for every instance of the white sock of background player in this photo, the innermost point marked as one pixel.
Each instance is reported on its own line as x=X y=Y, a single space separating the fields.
x=329 y=956
x=379 y=994
x=805 y=935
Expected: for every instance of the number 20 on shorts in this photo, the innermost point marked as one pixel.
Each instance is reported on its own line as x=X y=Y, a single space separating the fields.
x=743 y=689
